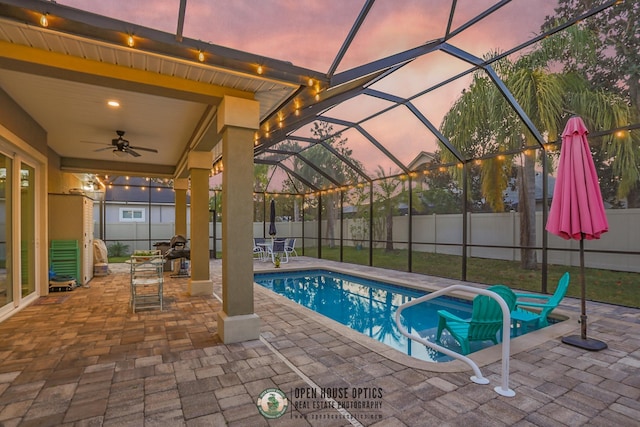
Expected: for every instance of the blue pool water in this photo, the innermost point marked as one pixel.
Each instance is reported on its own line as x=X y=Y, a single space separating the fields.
x=369 y=307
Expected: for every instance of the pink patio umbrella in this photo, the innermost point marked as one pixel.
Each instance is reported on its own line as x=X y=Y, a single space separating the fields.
x=577 y=211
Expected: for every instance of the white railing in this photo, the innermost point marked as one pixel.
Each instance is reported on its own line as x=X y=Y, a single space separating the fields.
x=503 y=389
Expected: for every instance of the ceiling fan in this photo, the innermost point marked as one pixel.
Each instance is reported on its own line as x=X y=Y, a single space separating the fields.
x=121 y=147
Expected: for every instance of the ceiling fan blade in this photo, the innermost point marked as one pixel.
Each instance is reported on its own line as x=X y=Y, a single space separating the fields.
x=153 y=150
x=130 y=151
x=110 y=147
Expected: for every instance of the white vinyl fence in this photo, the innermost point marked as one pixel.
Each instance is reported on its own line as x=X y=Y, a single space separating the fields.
x=443 y=234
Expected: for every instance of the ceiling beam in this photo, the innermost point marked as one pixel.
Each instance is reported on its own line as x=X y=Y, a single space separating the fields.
x=73 y=164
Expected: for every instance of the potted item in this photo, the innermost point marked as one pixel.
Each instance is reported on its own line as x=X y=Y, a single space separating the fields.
x=276 y=261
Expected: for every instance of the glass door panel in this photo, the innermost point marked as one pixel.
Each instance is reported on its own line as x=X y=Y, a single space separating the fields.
x=6 y=287
x=27 y=229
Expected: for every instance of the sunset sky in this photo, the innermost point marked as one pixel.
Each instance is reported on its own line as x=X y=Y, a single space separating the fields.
x=309 y=33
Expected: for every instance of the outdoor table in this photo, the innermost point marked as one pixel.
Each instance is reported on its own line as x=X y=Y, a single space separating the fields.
x=266 y=246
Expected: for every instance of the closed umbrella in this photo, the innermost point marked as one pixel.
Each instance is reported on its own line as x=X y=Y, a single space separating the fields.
x=577 y=210
x=272 y=218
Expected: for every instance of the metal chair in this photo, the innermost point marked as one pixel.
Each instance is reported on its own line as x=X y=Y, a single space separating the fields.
x=290 y=247
x=277 y=248
x=258 y=250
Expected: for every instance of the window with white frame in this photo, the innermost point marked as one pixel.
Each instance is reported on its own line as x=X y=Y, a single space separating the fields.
x=131 y=214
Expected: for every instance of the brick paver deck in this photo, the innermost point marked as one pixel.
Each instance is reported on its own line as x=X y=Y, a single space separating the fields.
x=87 y=361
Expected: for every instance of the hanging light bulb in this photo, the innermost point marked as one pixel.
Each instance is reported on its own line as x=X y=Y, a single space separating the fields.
x=260 y=69
x=44 y=21
x=200 y=56
x=130 y=41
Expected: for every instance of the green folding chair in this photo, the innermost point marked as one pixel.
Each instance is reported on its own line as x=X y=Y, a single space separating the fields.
x=543 y=305
x=485 y=322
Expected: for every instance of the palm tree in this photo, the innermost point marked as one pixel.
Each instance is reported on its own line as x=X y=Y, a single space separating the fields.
x=481 y=123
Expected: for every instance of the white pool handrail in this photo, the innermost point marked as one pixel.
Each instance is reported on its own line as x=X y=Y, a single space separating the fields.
x=503 y=389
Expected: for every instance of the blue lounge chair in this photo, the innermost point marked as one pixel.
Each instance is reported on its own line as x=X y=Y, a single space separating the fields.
x=485 y=322
x=544 y=304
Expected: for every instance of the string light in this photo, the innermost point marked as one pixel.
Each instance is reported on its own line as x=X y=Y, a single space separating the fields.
x=130 y=41
x=260 y=69
x=201 y=56
x=44 y=21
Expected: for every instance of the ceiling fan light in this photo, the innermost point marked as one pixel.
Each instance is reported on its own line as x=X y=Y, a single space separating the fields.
x=119 y=153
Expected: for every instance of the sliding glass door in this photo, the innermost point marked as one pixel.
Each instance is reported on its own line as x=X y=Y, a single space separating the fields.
x=6 y=284
x=27 y=229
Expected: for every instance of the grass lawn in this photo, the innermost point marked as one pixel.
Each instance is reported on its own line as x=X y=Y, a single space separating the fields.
x=614 y=287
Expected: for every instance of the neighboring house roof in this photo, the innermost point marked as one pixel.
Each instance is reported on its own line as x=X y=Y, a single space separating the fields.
x=423 y=158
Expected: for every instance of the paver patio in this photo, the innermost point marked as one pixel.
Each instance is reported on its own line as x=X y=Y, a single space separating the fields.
x=87 y=360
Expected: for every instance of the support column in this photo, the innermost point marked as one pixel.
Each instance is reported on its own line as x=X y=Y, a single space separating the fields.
x=237 y=121
x=181 y=185
x=199 y=164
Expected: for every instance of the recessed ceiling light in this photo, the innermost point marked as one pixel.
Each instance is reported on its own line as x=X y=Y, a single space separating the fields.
x=113 y=103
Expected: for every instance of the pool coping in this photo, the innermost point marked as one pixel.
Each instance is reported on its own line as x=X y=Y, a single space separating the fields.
x=482 y=357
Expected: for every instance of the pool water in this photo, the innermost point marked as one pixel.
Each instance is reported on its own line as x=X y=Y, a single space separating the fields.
x=369 y=307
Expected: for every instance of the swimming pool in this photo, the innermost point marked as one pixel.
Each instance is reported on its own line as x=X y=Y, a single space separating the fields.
x=369 y=307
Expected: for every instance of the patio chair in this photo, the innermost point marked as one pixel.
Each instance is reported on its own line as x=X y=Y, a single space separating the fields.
x=258 y=250
x=278 y=247
x=485 y=322
x=543 y=305
x=290 y=247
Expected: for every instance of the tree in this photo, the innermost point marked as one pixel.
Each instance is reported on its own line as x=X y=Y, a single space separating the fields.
x=605 y=50
x=481 y=122
x=330 y=164
x=386 y=201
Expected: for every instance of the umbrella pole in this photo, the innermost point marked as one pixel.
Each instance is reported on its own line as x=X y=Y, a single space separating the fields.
x=583 y=295
x=581 y=340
